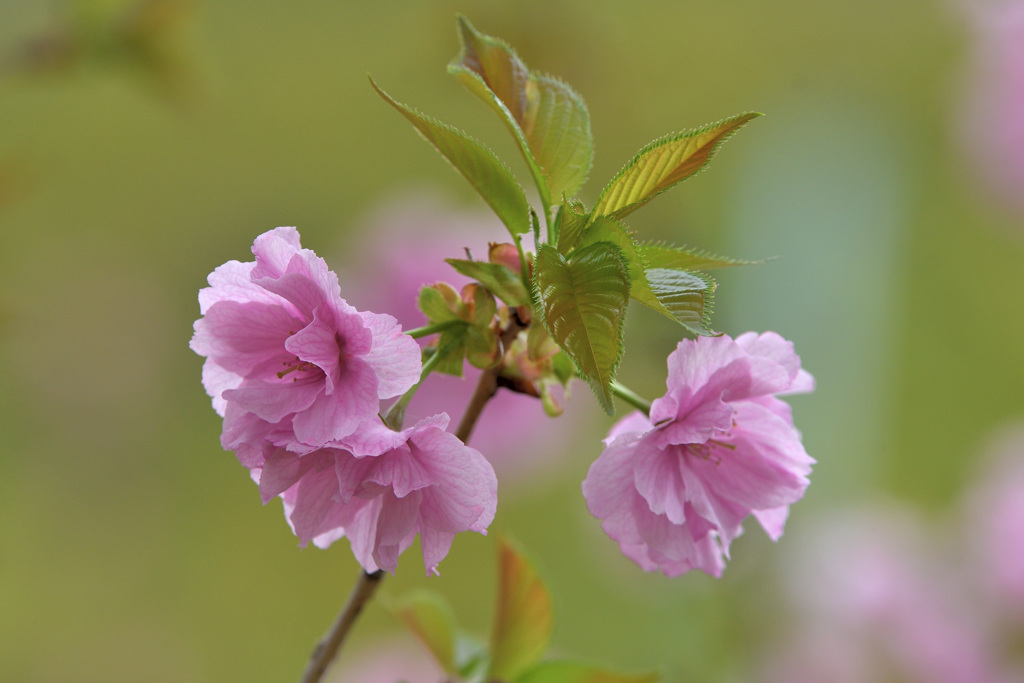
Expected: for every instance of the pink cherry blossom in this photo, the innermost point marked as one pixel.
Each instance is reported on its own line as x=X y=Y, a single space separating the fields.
x=992 y=108
x=287 y=359
x=381 y=488
x=673 y=489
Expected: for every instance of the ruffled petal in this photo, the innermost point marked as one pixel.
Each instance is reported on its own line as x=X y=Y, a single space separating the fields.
x=394 y=356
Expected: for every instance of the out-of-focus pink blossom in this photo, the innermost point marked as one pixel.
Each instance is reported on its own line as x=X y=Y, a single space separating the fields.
x=380 y=488
x=393 y=659
x=873 y=585
x=992 y=127
x=287 y=359
x=718 y=446
x=996 y=523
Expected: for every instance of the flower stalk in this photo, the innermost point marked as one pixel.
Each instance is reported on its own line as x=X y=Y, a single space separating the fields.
x=329 y=646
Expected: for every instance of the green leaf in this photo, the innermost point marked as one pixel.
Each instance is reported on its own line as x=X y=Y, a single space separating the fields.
x=430 y=619
x=605 y=229
x=571 y=672
x=522 y=625
x=476 y=163
x=572 y=219
x=505 y=284
x=686 y=296
x=546 y=117
x=662 y=164
x=584 y=300
x=659 y=255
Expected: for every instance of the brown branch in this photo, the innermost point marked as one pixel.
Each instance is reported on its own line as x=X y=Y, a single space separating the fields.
x=487 y=386
x=327 y=649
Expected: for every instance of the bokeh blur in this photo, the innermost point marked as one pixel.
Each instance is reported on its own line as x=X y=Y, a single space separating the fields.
x=145 y=142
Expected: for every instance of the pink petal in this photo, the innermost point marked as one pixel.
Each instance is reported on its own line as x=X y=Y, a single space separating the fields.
x=273 y=250
x=272 y=401
x=435 y=544
x=334 y=417
x=394 y=356
x=657 y=474
x=242 y=335
x=313 y=502
x=609 y=485
x=282 y=469
x=217 y=380
x=634 y=422
x=319 y=343
x=401 y=472
x=773 y=520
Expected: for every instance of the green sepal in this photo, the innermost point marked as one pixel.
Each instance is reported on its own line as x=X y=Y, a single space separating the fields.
x=472 y=336
x=546 y=117
x=523 y=616
x=484 y=171
x=584 y=300
x=662 y=164
x=502 y=282
x=662 y=255
x=571 y=672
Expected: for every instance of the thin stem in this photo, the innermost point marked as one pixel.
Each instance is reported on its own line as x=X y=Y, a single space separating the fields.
x=328 y=647
x=395 y=415
x=632 y=398
x=428 y=330
x=487 y=386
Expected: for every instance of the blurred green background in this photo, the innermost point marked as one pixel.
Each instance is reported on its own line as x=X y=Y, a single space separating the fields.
x=133 y=548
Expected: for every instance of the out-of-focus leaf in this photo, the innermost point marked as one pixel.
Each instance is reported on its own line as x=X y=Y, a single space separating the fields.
x=430 y=619
x=659 y=255
x=584 y=300
x=662 y=164
x=571 y=672
x=686 y=296
x=505 y=284
x=484 y=171
x=522 y=624
x=546 y=117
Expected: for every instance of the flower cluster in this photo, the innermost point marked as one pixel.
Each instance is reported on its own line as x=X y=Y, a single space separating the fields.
x=674 y=488
x=298 y=375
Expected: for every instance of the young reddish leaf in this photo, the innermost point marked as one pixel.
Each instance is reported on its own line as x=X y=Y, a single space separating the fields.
x=430 y=619
x=546 y=117
x=686 y=296
x=522 y=624
x=505 y=284
x=491 y=179
x=658 y=255
x=571 y=672
x=662 y=164
x=584 y=300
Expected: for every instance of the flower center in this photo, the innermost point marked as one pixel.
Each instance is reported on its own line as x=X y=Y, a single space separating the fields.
x=296 y=365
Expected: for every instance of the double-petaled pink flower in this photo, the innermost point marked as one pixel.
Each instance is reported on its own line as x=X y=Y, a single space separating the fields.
x=673 y=489
x=380 y=488
x=298 y=375
x=287 y=359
